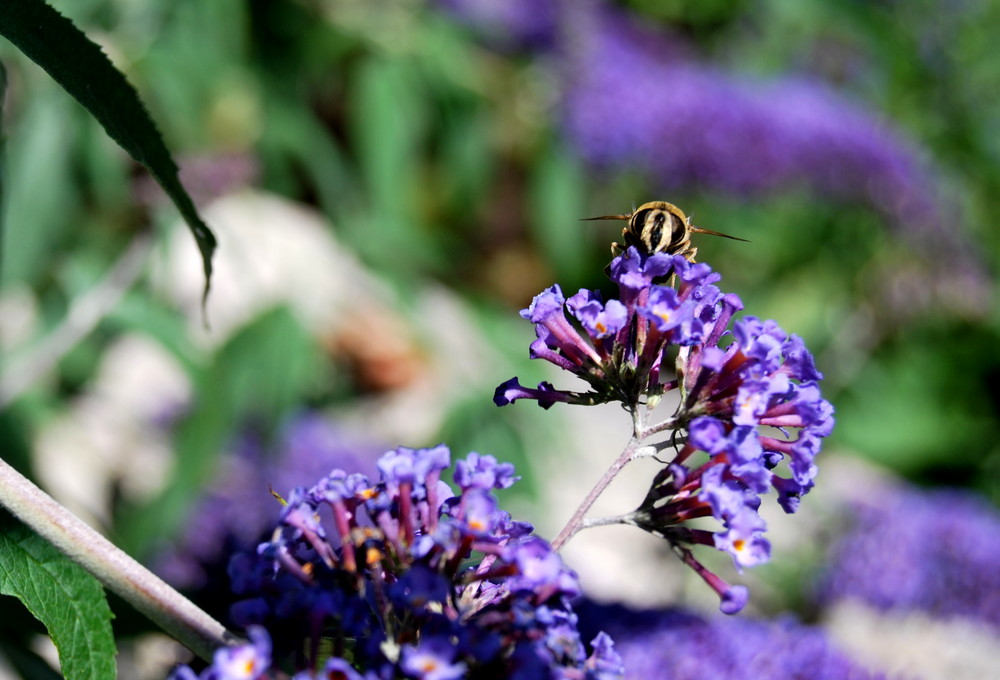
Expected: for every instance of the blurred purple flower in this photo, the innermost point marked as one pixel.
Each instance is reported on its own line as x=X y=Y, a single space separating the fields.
x=634 y=98
x=432 y=659
x=678 y=645
x=931 y=551
x=634 y=103
x=230 y=515
x=516 y=24
x=248 y=661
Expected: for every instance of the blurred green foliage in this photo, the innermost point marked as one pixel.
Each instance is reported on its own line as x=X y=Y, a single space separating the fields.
x=438 y=160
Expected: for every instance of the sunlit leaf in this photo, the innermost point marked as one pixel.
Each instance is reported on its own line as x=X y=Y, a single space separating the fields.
x=62 y=596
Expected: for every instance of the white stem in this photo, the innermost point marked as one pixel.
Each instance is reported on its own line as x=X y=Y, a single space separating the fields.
x=145 y=591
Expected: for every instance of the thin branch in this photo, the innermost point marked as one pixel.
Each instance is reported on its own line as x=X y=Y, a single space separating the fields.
x=605 y=521
x=662 y=426
x=577 y=520
x=145 y=591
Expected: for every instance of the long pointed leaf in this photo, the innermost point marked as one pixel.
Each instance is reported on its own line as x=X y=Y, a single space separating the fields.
x=80 y=66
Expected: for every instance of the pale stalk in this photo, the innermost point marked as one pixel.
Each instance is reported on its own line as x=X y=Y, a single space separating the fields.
x=668 y=424
x=576 y=522
x=605 y=521
x=171 y=611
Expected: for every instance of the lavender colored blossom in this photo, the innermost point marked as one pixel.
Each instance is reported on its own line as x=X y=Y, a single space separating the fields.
x=677 y=645
x=483 y=472
x=248 y=661
x=636 y=100
x=910 y=550
x=432 y=659
x=515 y=24
x=750 y=406
x=404 y=577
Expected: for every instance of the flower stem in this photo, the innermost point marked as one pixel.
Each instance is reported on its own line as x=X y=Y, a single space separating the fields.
x=576 y=522
x=145 y=591
x=605 y=521
x=668 y=424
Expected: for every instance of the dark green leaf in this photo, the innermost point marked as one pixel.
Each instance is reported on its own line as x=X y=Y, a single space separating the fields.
x=62 y=596
x=82 y=69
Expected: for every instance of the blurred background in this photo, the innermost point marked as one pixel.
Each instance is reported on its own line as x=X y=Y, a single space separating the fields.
x=391 y=181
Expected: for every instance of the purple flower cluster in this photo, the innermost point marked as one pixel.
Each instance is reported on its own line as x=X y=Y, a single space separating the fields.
x=678 y=645
x=743 y=395
x=405 y=578
x=930 y=551
x=618 y=346
x=635 y=100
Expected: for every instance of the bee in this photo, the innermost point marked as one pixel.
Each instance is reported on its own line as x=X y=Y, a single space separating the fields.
x=659 y=227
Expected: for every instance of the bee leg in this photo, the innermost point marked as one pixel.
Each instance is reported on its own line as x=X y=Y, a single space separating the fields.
x=616 y=250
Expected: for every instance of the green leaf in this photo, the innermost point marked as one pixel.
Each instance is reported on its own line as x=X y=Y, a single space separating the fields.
x=62 y=596
x=82 y=69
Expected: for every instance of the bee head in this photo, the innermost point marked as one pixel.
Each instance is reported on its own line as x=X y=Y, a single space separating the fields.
x=657 y=226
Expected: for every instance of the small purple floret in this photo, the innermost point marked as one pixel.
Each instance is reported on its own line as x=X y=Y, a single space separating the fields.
x=734 y=600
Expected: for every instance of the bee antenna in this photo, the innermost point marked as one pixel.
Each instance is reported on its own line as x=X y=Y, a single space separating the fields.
x=606 y=217
x=699 y=230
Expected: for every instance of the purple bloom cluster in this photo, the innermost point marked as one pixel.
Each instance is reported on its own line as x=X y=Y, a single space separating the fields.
x=405 y=578
x=618 y=346
x=930 y=551
x=678 y=645
x=634 y=99
x=743 y=395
